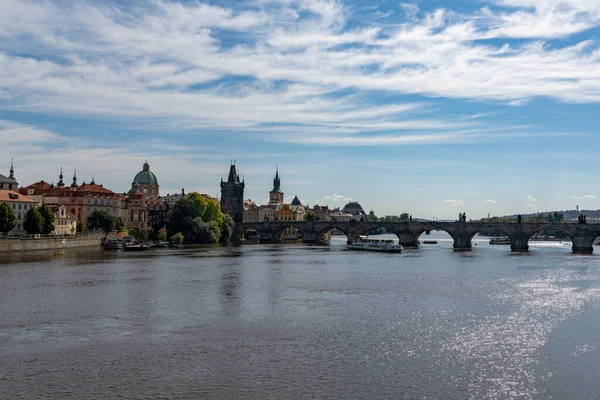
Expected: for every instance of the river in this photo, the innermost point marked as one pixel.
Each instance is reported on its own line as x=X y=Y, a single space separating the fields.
x=301 y=321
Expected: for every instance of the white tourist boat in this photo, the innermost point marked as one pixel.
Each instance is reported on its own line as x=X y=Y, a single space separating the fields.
x=369 y=244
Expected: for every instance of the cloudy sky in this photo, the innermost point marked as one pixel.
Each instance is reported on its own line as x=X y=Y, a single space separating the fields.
x=429 y=107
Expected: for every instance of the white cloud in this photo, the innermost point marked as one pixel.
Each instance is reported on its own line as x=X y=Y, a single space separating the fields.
x=584 y=197
x=12 y=133
x=455 y=203
x=491 y=201
x=144 y=62
x=530 y=198
x=338 y=198
x=531 y=206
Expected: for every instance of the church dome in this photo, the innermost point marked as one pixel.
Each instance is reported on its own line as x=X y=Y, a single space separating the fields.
x=145 y=176
x=353 y=208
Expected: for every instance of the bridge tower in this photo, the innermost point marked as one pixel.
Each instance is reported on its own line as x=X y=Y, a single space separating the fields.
x=232 y=196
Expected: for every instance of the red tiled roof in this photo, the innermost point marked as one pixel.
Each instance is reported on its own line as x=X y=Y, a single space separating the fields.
x=9 y=195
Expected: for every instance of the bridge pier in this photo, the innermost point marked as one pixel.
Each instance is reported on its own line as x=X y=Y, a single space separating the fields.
x=583 y=244
x=408 y=240
x=311 y=237
x=519 y=243
x=462 y=242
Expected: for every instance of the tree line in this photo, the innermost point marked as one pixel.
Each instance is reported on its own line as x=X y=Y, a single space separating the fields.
x=38 y=220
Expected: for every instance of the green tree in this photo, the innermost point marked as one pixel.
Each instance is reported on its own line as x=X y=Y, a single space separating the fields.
x=226 y=229
x=101 y=220
x=120 y=225
x=310 y=216
x=199 y=220
x=48 y=217
x=404 y=217
x=162 y=235
x=177 y=238
x=8 y=219
x=81 y=227
x=34 y=222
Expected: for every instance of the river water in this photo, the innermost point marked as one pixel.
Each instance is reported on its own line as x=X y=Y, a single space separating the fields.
x=301 y=321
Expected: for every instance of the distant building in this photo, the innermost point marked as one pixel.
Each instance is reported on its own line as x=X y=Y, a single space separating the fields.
x=65 y=223
x=20 y=205
x=37 y=191
x=354 y=209
x=146 y=182
x=266 y=213
x=232 y=196
x=276 y=194
x=83 y=200
x=251 y=212
x=9 y=182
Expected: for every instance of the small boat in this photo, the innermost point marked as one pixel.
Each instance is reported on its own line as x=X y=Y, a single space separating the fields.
x=366 y=244
x=161 y=245
x=135 y=247
x=500 y=241
x=59 y=253
x=429 y=241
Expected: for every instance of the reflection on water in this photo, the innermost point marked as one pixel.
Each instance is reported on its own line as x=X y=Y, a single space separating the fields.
x=297 y=321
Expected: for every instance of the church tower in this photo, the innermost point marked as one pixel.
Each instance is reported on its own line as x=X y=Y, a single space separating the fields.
x=232 y=196
x=276 y=195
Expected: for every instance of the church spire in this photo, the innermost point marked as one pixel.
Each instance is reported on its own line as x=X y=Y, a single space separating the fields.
x=60 y=178
x=93 y=182
x=74 y=184
x=233 y=175
x=12 y=169
x=276 y=181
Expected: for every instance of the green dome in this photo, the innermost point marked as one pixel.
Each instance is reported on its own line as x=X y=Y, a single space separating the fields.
x=145 y=177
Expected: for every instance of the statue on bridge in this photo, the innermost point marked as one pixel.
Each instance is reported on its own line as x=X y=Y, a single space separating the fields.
x=462 y=217
x=583 y=219
x=519 y=219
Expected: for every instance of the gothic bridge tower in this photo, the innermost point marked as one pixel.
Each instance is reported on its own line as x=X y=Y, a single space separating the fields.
x=232 y=196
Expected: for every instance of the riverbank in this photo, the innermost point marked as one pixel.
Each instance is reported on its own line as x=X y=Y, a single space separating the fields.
x=12 y=245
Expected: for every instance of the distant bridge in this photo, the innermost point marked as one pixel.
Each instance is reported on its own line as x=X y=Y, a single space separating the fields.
x=581 y=234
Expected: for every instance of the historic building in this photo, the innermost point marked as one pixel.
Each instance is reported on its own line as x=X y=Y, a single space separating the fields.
x=20 y=205
x=37 y=191
x=9 y=182
x=276 y=195
x=134 y=209
x=146 y=182
x=83 y=200
x=232 y=196
x=354 y=209
x=250 y=213
x=65 y=223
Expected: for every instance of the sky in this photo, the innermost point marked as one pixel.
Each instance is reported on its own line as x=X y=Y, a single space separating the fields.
x=428 y=107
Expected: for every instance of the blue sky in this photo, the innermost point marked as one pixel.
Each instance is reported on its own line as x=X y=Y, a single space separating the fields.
x=426 y=107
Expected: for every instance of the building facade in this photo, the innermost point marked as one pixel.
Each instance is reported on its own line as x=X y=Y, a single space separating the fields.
x=20 y=205
x=65 y=223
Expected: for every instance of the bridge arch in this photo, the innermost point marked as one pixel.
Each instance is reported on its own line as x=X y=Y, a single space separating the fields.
x=288 y=230
x=328 y=228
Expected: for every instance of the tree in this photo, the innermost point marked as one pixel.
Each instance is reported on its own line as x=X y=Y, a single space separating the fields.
x=8 y=219
x=199 y=220
x=226 y=229
x=81 y=227
x=404 y=217
x=48 y=217
x=310 y=216
x=101 y=220
x=162 y=235
x=34 y=222
x=177 y=238
x=120 y=225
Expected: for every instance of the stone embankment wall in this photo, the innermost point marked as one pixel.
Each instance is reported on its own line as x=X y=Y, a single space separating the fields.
x=48 y=243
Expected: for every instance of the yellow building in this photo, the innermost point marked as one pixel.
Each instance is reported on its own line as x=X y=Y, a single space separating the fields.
x=288 y=213
x=65 y=223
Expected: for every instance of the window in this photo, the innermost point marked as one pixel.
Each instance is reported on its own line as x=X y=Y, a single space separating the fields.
x=145 y=190
x=20 y=206
x=89 y=201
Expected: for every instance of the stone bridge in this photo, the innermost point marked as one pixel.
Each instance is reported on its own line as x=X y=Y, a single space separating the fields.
x=582 y=234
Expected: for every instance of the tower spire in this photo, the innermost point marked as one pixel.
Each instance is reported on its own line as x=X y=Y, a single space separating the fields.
x=60 y=178
x=74 y=184
x=12 y=169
